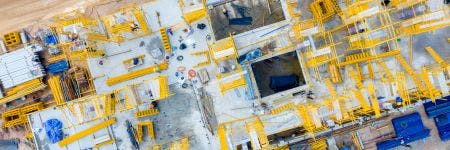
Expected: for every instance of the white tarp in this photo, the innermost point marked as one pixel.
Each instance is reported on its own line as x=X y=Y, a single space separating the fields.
x=18 y=67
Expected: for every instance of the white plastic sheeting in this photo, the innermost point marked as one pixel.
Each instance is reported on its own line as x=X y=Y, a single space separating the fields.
x=18 y=67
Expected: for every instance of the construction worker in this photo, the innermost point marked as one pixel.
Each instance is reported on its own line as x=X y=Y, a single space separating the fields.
x=134 y=27
x=225 y=12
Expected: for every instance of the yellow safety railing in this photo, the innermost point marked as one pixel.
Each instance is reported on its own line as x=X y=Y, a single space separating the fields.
x=77 y=136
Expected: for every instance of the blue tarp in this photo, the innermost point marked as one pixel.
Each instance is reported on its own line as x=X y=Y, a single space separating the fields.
x=282 y=83
x=407 y=128
x=408 y=124
x=254 y=54
x=437 y=108
x=53 y=129
x=58 y=67
x=51 y=39
x=443 y=125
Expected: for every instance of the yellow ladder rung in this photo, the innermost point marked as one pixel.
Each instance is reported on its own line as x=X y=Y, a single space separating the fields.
x=145 y=113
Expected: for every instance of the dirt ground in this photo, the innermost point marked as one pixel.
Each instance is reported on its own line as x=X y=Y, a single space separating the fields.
x=18 y=14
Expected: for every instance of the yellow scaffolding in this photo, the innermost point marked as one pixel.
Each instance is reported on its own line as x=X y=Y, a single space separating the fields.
x=402 y=88
x=425 y=22
x=318 y=144
x=387 y=76
x=292 y=7
x=12 y=39
x=72 y=138
x=165 y=40
x=18 y=116
x=256 y=128
x=225 y=86
x=182 y=144
x=140 y=130
x=436 y=57
x=411 y=73
x=32 y=86
x=363 y=57
x=307 y=121
x=191 y=16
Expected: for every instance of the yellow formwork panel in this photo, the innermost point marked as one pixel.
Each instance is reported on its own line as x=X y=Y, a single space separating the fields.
x=72 y=138
x=110 y=106
x=145 y=113
x=18 y=116
x=12 y=39
x=12 y=118
x=317 y=61
x=221 y=133
x=318 y=145
x=400 y=4
x=54 y=83
x=335 y=73
x=357 y=58
x=292 y=8
x=57 y=58
x=425 y=22
x=137 y=73
x=282 y=108
x=140 y=18
x=322 y=10
x=355 y=9
x=97 y=146
x=224 y=87
x=373 y=99
x=223 y=50
x=206 y=62
x=22 y=86
x=355 y=140
x=195 y=15
x=355 y=77
x=25 y=91
x=165 y=40
x=163 y=87
x=257 y=126
x=365 y=107
x=98 y=37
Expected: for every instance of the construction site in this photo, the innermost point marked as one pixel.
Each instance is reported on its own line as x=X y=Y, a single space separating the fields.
x=225 y=74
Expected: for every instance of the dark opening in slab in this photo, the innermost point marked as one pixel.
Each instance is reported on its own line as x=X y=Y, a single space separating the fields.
x=278 y=74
